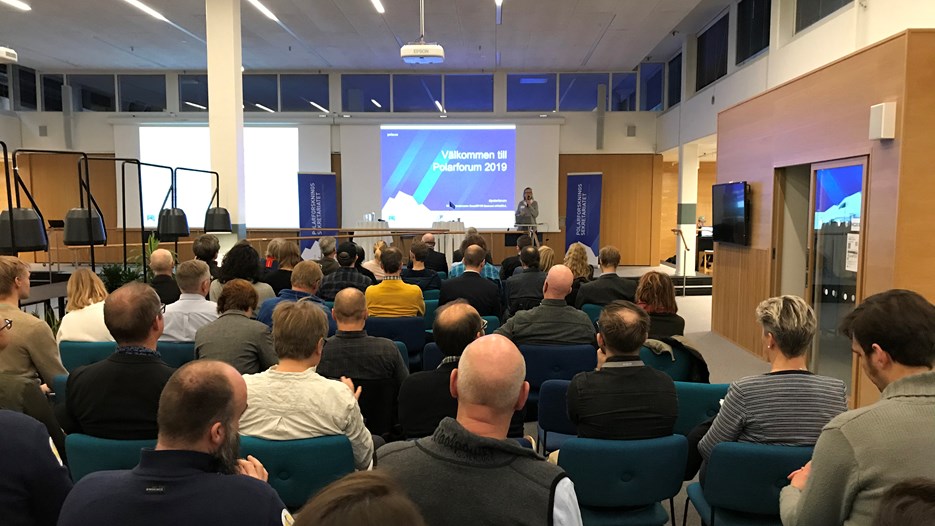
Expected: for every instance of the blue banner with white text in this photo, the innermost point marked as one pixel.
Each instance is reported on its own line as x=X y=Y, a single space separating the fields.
x=318 y=205
x=583 y=213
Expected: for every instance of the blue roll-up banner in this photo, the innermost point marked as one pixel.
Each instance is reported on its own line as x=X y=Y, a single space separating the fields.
x=583 y=213
x=318 y=205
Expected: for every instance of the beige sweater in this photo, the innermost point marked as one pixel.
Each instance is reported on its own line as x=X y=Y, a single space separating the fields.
x=32 y=350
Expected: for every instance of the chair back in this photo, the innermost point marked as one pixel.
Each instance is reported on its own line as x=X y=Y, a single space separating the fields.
x=697 y=403
x=679 y=368
x=60 y=388
x=176 y=354
x=409 y=330
x=555 y=362
x=553 y=414
x=403 y=351
x=625 y=473
x=378 y=404
x=493 y=323
x=299 y=468
x=76 y=354
x=87 y=454
x=430 y=307
x=431 y=357
x=431 y=294
x=747 y=477
x=593 y=311
x=442 y=275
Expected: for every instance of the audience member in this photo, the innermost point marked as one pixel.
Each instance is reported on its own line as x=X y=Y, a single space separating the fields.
x=655 y=293
x=511 y=263
x=117 y=398
x=434 y=260
x=374 y=265
x=417 y=273
x=524 y=290
x=306 y=280
x=161 y=262
x=908 y=503
x=290 y=400
x=553 y=322
x=192 y=311
x=235 y=338
x=33 y=481
x=193 y=476
x=241 y=262
x=483 y=294
x=359 y=264
x=861 y=453
x=84 y=313
x=287 y=256
x=32 y=352
x=576 y=259
x=364 y=498
x=346 y=276
x=328 y=261
x=392 y=297
x=206 y=248
x=609 y=286
x=546 y=258
x=489 y=271
x=471 y=453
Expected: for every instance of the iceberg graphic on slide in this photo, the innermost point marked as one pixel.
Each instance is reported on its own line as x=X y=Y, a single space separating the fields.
x=843 y=212
x=404 y=209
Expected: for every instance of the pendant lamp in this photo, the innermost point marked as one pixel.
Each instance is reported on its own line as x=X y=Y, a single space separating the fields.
x=21 y=229
x=80 y=229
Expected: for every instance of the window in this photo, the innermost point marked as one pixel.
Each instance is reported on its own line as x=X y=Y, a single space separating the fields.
x=26 y=97
x=93 y=92
x=675 y=80
x=52 y=92
x=578 y=91
x=623 y=92
x=260 y=93
x=193 y=92
x=807 y=12
x=652 y=80
x=525 y=92
x=304 y=93
x=4 y=88
x=366 y=92
x=752 y=28
x=712 y=54
x=469 y=92
x=141 y=93
x=417 y=93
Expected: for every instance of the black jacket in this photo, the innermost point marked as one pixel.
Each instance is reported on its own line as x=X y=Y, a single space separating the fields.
x=166 y=288
x=606 y=289
x=482 y=293
x=436 y=261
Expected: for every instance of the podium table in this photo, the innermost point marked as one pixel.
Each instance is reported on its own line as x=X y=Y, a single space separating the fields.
x=447 y=243
x=370 y=240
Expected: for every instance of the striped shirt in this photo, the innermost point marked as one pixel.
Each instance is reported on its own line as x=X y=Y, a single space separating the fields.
x=787 y=408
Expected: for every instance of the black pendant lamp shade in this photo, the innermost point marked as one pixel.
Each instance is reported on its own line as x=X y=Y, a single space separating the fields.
x=27 y=229
x=172 y=224
x=218 y=219
x=76 y=228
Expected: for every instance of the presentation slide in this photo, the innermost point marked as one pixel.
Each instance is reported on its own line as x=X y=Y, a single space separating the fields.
x=448 y=173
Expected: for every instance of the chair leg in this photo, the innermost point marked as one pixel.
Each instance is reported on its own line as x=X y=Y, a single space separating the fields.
x=685 y=512
x=672 y=510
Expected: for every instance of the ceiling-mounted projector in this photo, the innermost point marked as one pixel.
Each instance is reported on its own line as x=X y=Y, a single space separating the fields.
x=8 y=56
x=422 y=53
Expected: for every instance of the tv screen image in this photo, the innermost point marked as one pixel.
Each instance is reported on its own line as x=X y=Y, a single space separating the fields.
x=730 y=206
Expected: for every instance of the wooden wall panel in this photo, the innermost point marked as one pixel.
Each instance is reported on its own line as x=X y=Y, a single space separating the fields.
x=738 y=323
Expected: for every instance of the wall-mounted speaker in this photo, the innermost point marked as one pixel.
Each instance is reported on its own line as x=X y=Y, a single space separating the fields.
x=883 y=121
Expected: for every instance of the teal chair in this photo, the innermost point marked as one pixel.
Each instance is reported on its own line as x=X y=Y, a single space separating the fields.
x=60 y=388
x=431 y=294
x=330 y=304
x=697 y=403
x=742 y=483
x=176 y=354
x=430 y=307
x=299 y=468
x=553 y=425
x=87 y=454
x=677 y=365
x=76 y=354
x=443 y=275
x=493 y=323
x=401 y=347
x=593 y=311
x=431 y=357
x=622 y=482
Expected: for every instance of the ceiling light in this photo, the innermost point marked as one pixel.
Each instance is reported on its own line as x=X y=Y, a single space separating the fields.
x=17 y=4
x=346 y=116
x=498 y=2
x=264 y=108
x=378 y=6
x=146 y=9
x=263 y=9
x=319 y=106
x=443 y=116
x=440 y=107
x=193 y=105
x=375 y=103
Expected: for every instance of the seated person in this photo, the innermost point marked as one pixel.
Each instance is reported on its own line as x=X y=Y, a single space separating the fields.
x=235 y=337
x=206 y=248
x=359 y=264
x=241 y=262
x=346 y=276
x=192 y=311
x=609 y=286
x=417 y=273
x=286 y=253
x=373 y=265
x=656 y=295
x=290 y=400
x=576 y=259
x=483 y=294
x=161 y=262
x=306 y=280
x=524 y=290
x=510 y=264
x=328 y=262
x=553 y=322
x=118 y=398
x=364 y=498
x=84 y=313
x=393 y=298
x=434 y=260
x=489 y=271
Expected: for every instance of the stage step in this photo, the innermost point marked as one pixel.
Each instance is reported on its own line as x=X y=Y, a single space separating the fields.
x=694 y=285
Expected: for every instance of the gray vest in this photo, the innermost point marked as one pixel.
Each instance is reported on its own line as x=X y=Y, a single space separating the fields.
x=458 y=478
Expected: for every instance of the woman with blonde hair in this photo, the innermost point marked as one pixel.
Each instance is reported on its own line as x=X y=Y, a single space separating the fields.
x=84 y=312
x=286 y=252
x=374 y=264
x=656 y=295
x=576 y=259
x=546 y=258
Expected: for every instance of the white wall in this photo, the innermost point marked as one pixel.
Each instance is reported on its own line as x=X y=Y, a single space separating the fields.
x=91 y=132
x=10 y=130
x=579 y=132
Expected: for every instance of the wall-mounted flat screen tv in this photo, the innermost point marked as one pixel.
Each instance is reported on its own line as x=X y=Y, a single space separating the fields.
x=730 y=206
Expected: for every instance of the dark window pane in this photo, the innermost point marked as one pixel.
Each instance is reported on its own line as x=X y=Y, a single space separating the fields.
x=526 y=92
x=93 y=92
x=752 y=28
x=139 y=93
x=469 y=92
x=675 y=80
x=367 y=93
x=193 y=92
x=417 y=92
x=260 y=93
x=52 y=92
x=304 y=93
x=623 y=93
x=652 y=78
x=26 y=98
x=578 y=91
x=4 y=88
x=712 y=54
x=807 y=12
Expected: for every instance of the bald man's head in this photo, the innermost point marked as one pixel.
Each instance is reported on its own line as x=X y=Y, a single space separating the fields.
x=492 y=373
x=349 y=306
x=161 y=261
x=474 y=257
x=558 y=283
x=429 y=239
x=131 y=314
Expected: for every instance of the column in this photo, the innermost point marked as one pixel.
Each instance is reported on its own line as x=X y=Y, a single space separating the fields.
x=688 y=202
x=225 y=109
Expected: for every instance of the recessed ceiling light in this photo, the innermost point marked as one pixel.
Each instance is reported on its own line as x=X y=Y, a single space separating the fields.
x=375 y=103
x=194 y=105
x=346 y=116
x=264 y=108
x=498 y=2
x=378 y=6
x=144 y=8
x=22 y=6
x=542 y=115
x=443 y=116
x=263 y=9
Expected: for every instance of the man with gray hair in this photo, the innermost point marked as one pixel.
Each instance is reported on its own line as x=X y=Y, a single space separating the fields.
x=471 y=453
x=161 y=262
x=192 y=311
x=328 y=261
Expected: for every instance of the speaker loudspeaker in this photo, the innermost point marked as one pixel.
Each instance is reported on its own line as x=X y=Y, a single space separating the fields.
x=883 y=121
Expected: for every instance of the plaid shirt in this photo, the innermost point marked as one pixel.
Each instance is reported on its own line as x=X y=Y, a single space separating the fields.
x=341 y=279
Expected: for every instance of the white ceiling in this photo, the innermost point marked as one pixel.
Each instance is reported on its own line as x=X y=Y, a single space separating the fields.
x=536 y=35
